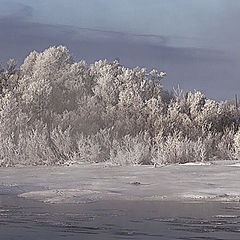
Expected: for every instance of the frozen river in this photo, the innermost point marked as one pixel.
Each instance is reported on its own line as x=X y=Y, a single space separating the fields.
x=194 y=201
x=23 y=219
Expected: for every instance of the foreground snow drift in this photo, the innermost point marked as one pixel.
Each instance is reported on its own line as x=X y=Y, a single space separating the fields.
x=86 y=183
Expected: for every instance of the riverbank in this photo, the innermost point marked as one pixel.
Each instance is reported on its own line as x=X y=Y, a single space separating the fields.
x=215 y=181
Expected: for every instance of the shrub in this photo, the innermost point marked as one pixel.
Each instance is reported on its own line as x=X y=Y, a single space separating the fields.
x=55 y=111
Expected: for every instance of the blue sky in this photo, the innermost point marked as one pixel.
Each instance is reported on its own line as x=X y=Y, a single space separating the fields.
x=195 y=41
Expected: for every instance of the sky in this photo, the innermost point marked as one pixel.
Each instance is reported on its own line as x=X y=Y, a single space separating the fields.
x=196 y=42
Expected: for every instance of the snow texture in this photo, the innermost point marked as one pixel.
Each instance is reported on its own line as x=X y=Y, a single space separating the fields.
x=88 y=183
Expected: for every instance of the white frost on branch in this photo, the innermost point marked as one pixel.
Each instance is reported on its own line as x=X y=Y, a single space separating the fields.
x=54 y=111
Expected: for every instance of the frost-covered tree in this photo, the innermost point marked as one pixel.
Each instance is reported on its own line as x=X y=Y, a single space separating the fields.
x=54 y=111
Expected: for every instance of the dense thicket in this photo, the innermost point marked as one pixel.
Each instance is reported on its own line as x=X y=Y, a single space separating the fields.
x=54 y=110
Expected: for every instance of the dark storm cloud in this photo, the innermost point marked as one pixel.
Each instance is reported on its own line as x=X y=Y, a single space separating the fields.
x=193 y=67
x=19 y=37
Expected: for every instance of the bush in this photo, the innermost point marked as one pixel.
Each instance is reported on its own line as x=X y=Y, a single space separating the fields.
x=55 y=111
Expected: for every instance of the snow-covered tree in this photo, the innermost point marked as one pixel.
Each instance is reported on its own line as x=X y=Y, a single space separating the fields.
x=54 y=111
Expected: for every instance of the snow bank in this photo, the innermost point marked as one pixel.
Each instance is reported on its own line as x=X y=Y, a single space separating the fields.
x=87 y=183
x=234 y=165
x=197 y=164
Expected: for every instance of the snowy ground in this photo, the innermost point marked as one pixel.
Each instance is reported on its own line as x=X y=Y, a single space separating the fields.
x=218 y=181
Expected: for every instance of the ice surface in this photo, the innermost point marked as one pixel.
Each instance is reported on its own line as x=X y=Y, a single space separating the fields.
x=218 y=181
